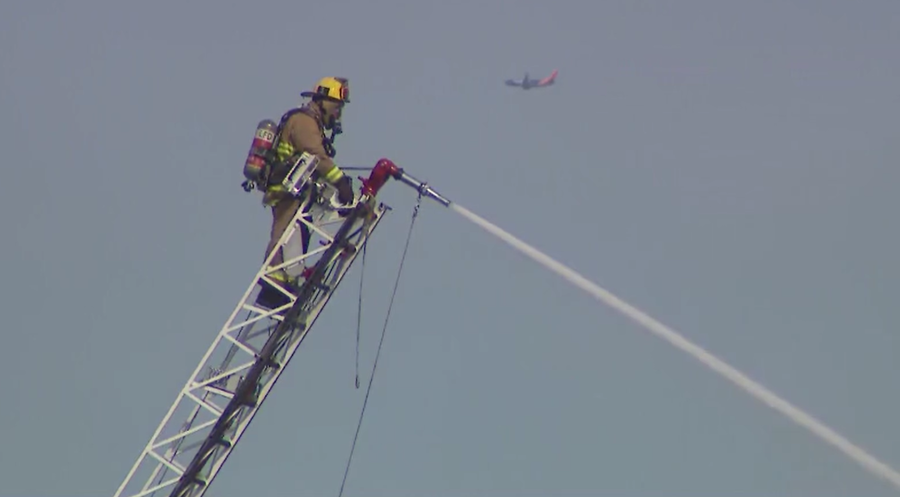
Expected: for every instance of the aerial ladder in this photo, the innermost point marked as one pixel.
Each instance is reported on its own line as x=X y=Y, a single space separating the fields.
x=254 y=346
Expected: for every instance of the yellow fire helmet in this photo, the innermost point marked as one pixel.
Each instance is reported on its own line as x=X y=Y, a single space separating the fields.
x=331 y=87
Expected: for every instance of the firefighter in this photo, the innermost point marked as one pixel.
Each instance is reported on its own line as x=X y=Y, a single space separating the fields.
x=303 y=130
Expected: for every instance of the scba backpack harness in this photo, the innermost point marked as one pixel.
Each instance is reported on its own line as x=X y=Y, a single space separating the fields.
x=273 y=164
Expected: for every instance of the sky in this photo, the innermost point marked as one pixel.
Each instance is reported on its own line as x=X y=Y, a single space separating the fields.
x=727 y=167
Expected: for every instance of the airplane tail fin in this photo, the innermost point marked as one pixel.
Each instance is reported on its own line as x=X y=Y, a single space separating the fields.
x=549 y=79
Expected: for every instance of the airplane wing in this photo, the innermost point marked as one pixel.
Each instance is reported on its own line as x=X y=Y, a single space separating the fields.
x=549 y=80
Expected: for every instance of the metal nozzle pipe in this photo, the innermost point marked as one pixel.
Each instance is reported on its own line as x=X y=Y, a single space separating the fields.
x=423 y=188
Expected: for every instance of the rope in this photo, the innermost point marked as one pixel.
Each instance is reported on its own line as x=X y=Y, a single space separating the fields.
x=380 y=342
x=359 y=308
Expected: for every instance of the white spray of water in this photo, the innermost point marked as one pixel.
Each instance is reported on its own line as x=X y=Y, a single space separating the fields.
x=762 y=394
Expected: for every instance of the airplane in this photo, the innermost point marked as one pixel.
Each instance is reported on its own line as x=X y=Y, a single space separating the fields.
x=526 y=83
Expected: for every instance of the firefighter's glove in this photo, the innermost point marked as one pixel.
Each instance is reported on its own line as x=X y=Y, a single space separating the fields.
x=344 y=187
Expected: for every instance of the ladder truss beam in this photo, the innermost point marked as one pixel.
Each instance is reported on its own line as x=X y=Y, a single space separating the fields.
x=252 y=349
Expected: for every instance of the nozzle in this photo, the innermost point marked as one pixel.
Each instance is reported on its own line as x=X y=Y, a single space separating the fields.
x=423 y=188
x=385 y=168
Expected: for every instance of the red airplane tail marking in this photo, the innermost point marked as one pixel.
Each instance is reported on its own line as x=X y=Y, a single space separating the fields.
x=549 y=79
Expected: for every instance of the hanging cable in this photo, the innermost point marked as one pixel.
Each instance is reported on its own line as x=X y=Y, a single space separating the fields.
x=359 y=307
x=381 y=341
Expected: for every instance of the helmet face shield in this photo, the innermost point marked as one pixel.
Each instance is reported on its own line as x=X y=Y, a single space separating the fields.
x=343 y=90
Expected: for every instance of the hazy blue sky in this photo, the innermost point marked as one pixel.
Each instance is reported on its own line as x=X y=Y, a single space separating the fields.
x=729 y=167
